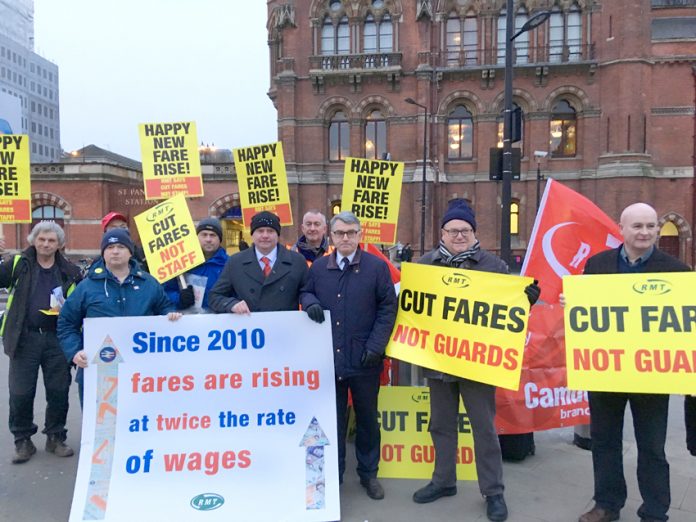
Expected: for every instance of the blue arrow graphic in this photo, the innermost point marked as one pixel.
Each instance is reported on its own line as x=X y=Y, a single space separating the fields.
x=107 y=360
x=314 y=441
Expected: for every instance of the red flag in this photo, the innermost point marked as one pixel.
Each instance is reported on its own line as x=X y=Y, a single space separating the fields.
x=568 y=229
x=393 y=271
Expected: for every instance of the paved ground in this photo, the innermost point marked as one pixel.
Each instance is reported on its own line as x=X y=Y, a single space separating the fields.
x=555 y=485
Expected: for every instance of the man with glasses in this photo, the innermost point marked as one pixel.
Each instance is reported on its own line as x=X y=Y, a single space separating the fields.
x=357 y=289
x=313 y=243
x=459 y=248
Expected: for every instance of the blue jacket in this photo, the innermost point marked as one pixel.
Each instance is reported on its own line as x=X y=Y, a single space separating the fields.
x=211 y=269
x=362 y=302
x=101 y=295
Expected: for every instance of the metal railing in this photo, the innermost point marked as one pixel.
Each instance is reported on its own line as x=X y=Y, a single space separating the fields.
x=673 y=3
x=337 y=62
x=548 y=54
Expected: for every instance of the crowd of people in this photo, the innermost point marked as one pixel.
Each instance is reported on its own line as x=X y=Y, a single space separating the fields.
x=325 y=270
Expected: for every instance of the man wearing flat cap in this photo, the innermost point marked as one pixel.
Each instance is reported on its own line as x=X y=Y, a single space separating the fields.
x=264 y=278
x=200 y=279
x=459 y=248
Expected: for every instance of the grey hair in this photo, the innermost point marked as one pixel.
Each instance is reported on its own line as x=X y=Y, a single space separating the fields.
x=314 y=211
x=347 y=217
x=47 y=226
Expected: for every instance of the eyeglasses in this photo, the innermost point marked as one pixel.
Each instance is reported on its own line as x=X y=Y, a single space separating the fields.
x=454 y=232
x=350 y=234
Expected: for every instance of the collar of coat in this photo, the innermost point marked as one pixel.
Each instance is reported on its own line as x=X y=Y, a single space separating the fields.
x=333 y=264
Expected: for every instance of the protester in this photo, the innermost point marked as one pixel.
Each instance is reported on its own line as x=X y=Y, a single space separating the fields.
x=116 y=220
x=264 y=278
x=116 y=286
x=204 y=276
x=407 y=253
x=38 y=280
x=638 y=254
x=313 y=242
x=357 y=289
x=459 y=248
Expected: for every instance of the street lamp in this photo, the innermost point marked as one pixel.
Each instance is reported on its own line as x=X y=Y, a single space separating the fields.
x=425 y=158
x=506 y=197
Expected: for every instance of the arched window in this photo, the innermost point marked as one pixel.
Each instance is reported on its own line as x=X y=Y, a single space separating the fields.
x=328 y=44
x=501 y=124
x=460 y=134
x=339 y=137
x=565 y=35
x=514 y=217
x=470 y=41
x=669 y=239
x=502 y=35
x=377 y=38
x=335 y=207
x=343 y=36
x=370 y=35
x=461 y=40
x=375 y=135
x=453 y=40
x=522 y=41
x=563 y=130
x=386 y=35
x=48 y=213
x=574 y=34
x=556 y=35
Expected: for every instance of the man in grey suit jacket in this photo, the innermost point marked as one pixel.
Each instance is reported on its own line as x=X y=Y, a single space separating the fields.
x=264 y=278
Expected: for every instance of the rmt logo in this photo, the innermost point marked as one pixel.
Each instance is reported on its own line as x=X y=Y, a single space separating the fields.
x=456 y=280
x=652 y=287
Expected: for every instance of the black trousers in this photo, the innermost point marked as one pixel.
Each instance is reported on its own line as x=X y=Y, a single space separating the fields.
x=650 y=426
x=38 y=350
x=364 y=391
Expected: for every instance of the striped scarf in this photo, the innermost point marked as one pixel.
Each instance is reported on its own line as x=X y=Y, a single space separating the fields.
x=457 y=259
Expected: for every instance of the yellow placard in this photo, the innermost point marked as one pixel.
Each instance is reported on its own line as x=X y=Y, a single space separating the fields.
x=631 y=332
x=15 y=174
x=462 y=322
x=171 y=163
x=263 y=183
x=372 y=191
x=169 y=239
x=407 y=449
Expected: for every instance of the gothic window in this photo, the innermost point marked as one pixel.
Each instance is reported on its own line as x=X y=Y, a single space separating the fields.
x=563 y=130
x=375 y=135
x=514 y=217
x=461 y=40
x=565 y=35
x=520 y=44
x=339 y=137
x=48 y=213
x=460 y=135
x=335 y=39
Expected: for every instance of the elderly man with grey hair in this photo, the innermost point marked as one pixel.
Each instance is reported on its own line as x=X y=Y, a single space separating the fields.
x=38 y=279
x=357 y=289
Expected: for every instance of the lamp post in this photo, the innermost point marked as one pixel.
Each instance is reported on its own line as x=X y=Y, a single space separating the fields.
x=506 y=197
x=425 y=158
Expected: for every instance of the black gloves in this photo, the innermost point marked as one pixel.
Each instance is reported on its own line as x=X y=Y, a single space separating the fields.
x=315 y=313
x=370 y=359
x=186 y=298
x=533 y=292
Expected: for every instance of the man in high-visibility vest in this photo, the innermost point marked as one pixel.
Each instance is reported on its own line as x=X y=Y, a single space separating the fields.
x=39 y=279
x=313 y=243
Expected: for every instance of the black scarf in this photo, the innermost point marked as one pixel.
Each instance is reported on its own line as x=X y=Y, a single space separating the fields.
x=457 y=259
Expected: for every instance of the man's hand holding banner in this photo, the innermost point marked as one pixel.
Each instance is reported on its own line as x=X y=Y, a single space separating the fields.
x=462 y=322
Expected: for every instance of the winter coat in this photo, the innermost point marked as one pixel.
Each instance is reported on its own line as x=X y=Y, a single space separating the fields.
x=211 y=269
x=21 y=276
x=102 y=295
x=607 y=262
x=362 y=302
x=309 y=253
x=482 y=261
x=242 y=280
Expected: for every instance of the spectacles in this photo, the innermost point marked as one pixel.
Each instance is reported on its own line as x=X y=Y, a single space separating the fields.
x=453 y=232
x=350 y=234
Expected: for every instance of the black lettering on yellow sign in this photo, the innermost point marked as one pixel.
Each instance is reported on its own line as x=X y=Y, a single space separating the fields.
x=668 y=319
x=496 y=316
x=597 y=318
x=382 y=168
x=10 y=141
x=166 y=233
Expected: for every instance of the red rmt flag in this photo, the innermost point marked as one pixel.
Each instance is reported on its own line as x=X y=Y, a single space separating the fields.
x=568 y=229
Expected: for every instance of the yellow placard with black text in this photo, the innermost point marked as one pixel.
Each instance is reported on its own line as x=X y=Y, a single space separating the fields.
x=15 y=183
x=631 y=332
x=169 y=239
x=170 y=158
x=372 y=191
x=263 y=182
x=407 y=450
x=466 y=323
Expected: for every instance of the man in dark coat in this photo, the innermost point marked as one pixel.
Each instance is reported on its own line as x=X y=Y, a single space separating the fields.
x=357 y=289
x=313 y=243
x=264 y=278
x=459 y=248
x=40 y=279
x=638 y=254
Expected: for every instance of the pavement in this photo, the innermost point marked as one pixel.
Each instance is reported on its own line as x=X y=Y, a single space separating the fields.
x=554 y=485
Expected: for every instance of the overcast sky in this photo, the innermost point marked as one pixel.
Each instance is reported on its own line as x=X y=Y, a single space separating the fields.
x=134 y=61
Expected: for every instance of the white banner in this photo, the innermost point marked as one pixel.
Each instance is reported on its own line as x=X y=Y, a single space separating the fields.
x=212 y=417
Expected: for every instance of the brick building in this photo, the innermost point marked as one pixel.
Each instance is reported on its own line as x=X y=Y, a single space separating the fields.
x=607 y=89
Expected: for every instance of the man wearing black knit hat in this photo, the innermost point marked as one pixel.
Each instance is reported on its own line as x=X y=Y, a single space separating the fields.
x=264 y=278
x=459 y=248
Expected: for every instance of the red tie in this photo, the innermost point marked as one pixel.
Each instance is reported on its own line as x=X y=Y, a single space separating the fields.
x=266 y=266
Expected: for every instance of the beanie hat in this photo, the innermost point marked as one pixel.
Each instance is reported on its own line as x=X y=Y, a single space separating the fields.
x=117 y=236
x=265 y=219
x=110 y=217
x=459 y=209
x=212 y=224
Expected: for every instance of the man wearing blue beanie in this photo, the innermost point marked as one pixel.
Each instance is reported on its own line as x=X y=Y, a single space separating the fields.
x=459 y=248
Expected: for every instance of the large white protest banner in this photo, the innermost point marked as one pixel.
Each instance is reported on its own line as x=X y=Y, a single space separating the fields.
x=212 y=417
